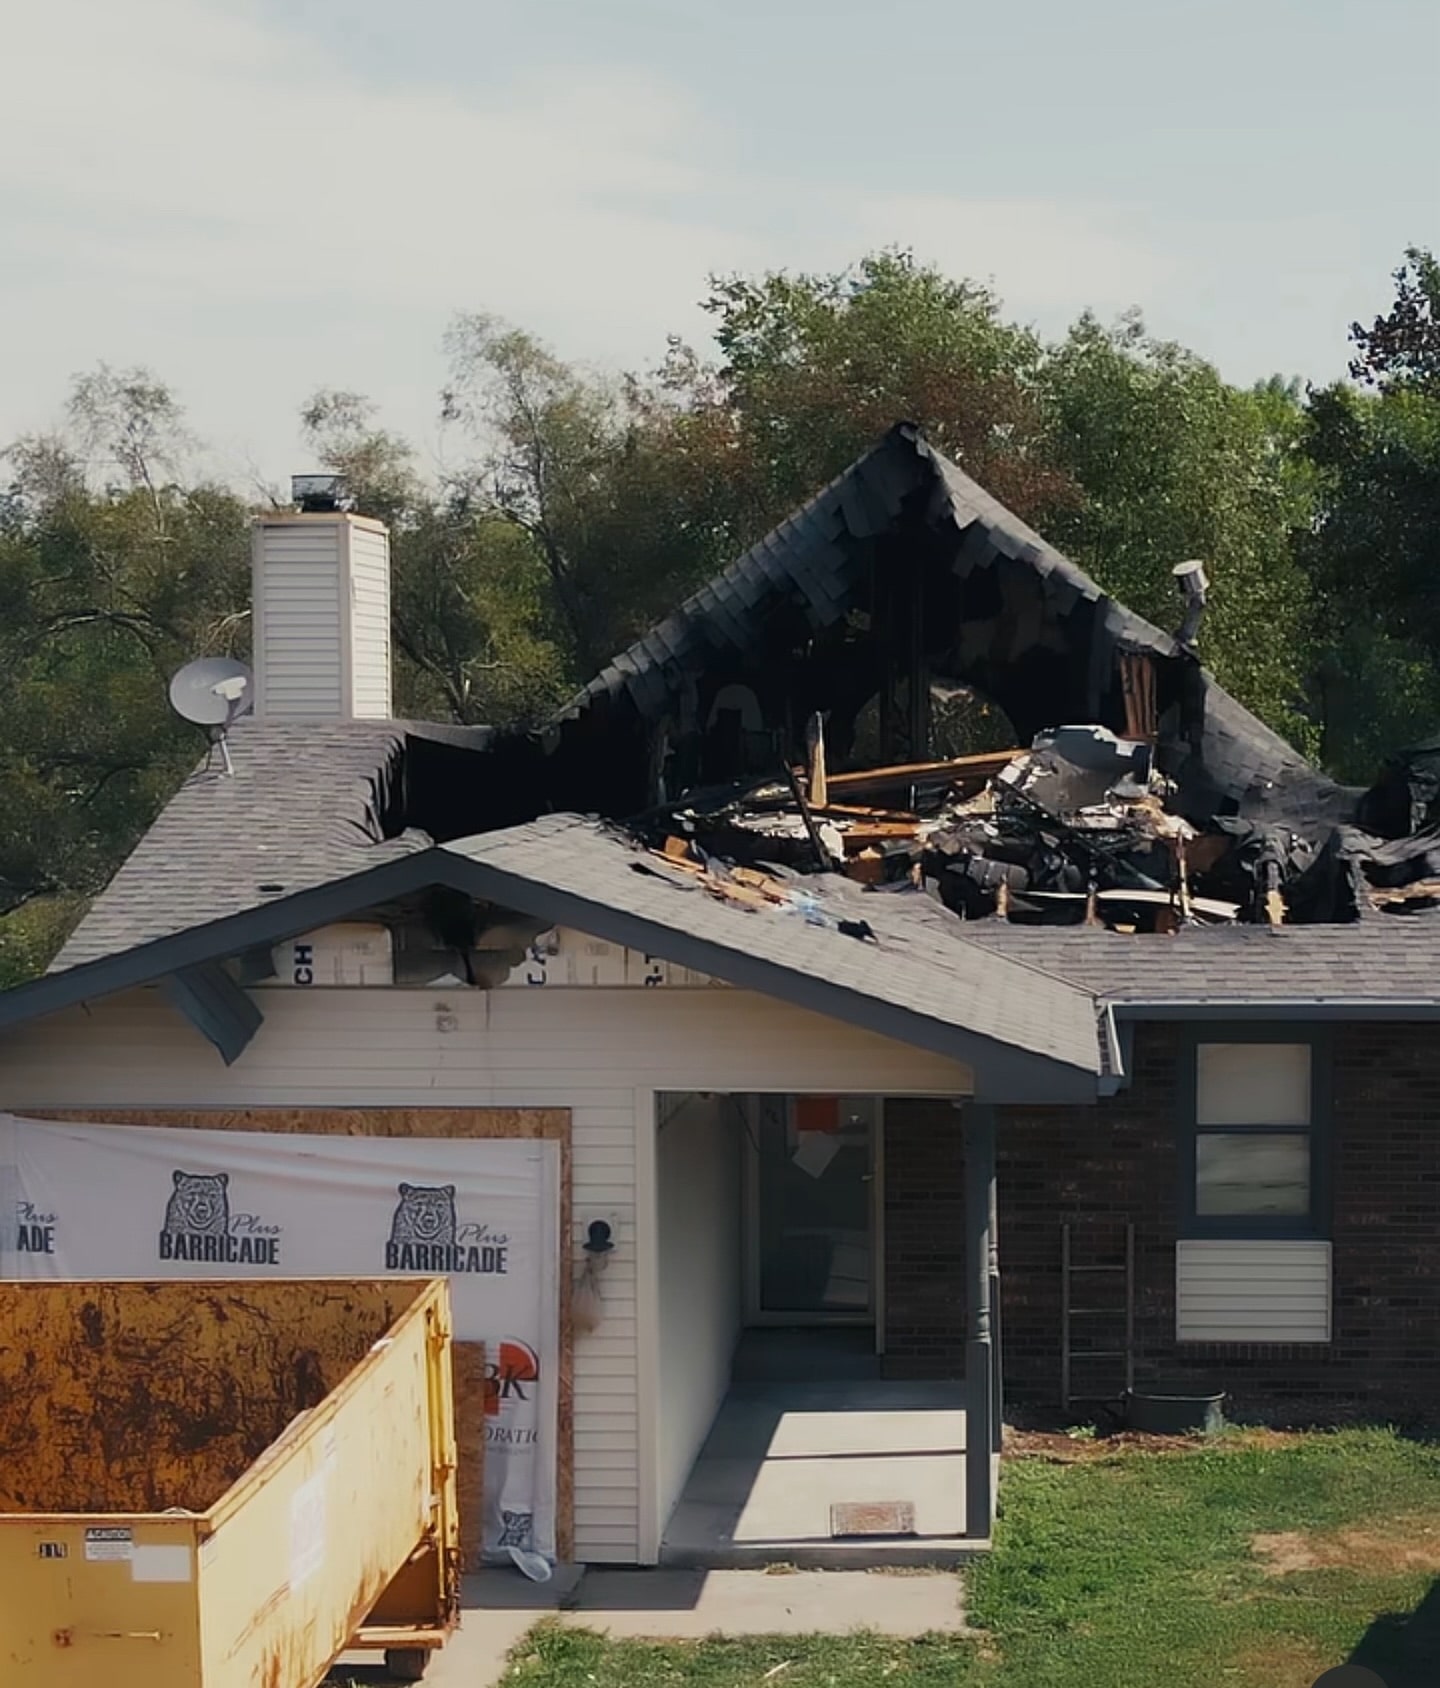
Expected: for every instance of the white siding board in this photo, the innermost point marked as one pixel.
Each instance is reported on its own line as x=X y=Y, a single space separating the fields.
x=322 y=618
x=586 y=1049
x=1242 y=1291
x=297 y=574
x=698 y=1173
x=369 y=623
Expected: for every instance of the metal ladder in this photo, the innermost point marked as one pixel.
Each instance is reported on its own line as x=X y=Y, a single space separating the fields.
x=1088 y=1271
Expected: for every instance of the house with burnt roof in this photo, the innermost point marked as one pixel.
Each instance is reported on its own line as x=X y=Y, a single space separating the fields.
x=892 y=1083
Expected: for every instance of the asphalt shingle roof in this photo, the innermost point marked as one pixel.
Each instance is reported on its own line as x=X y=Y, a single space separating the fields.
x=303 y=809
x=1388 y=960
x=921 y=960
x=310 y=804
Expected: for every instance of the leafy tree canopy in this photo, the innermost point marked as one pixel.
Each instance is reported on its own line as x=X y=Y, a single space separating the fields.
x=1372 y=552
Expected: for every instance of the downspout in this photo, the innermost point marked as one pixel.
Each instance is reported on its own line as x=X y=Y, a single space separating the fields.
x=979 y=1348
x=1114 y=1078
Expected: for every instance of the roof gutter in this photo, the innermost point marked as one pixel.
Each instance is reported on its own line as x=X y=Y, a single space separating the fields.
x=1293 y=1008
x=1117 y=1042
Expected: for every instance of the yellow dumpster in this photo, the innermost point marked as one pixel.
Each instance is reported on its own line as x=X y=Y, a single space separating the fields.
x=223 y=1485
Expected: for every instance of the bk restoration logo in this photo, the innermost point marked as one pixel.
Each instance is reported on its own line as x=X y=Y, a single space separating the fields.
x=510 y=1382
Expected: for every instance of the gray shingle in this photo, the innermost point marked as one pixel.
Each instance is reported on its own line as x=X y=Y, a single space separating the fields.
x=1389 y=960
x=921 y=960
x=302 y=810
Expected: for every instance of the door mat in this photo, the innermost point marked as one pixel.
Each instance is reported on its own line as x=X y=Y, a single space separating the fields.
x=872 y=1518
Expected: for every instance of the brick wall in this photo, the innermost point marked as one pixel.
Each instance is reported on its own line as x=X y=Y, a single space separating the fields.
x=1101 y=1166
x=1096 y=1168
x=924 y=1239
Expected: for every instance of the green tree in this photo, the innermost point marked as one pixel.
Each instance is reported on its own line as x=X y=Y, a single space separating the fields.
x=1175 y=463
x=814 y=368
x=112 y=574
x=622 y=487
x=1401 y=349
x=474 y=636
x=1373 y=555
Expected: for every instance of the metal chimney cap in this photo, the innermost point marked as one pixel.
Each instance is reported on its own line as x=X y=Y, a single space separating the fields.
x=316 y=494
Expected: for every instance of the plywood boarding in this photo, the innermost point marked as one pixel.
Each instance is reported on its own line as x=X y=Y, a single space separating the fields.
x=469 y=1373
x=533 y=1124
x=1252 y=1291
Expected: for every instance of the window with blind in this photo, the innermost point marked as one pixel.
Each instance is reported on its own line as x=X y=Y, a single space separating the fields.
x=1254 y=1148
x=1253 y=1263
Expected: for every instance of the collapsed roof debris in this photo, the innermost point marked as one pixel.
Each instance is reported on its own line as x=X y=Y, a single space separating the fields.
x=746 y=887
x=1167 y=805
x=785 y=719
x=1078 y=830
x=1074 y=829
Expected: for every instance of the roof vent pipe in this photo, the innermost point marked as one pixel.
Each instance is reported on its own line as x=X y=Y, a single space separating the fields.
x=1193 y=584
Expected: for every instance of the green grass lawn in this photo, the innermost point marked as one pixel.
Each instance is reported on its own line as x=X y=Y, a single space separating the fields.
x=1133 y=1570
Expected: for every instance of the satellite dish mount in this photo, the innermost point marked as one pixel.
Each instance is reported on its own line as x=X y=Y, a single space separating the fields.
x=213 y=693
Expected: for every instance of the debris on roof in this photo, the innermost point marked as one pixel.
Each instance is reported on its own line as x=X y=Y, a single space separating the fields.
x=1080 y=829
x=745 y=887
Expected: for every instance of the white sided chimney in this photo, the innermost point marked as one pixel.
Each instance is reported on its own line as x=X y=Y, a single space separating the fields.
x=321 y=608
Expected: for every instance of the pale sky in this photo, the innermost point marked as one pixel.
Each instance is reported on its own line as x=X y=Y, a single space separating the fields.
x=258 y=197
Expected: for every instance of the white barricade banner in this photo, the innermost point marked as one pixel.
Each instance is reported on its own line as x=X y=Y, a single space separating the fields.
x=118 y=1201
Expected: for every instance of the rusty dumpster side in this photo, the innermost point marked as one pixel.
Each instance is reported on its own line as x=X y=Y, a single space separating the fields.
x=210 y=1485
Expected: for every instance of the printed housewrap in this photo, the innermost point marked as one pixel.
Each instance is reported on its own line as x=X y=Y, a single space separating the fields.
x=102 y=1202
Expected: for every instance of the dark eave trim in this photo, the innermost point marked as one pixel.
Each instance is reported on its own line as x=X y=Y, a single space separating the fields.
x=217 y=940
x=217 y=1007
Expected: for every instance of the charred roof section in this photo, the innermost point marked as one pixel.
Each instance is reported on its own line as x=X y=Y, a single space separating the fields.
x=901 y=575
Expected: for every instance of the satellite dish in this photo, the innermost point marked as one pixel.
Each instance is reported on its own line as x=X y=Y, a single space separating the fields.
x=212 y=691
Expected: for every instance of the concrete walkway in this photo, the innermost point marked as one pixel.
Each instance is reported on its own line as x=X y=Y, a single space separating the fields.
x=500 y=1608
x=782 y=1454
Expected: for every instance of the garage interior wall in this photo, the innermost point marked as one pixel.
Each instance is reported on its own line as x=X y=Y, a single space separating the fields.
x=698 y=1182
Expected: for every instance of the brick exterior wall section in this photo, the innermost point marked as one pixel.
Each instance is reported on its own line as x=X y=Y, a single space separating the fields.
x=924 y=1239
x=1118 y=1161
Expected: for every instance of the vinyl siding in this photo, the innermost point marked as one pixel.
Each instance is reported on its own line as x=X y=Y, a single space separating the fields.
x=321 y=592
x=701 y=1277
x=599 y=1052
x=299 y=660
x=369 y=623
x=1252 y=1292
